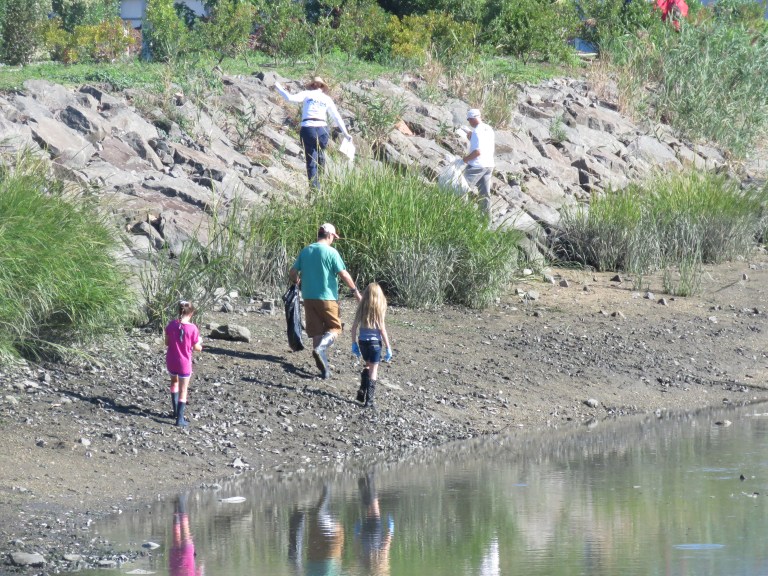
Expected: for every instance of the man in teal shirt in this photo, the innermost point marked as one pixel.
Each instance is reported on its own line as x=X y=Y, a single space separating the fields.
x=316 y=269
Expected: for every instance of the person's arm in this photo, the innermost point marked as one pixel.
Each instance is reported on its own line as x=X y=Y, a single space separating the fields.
x=293 y=274
x=385 y=338
x=351 y=283
x=471 y=156
x=337 y=118
x=198 y=347
x=289 y=97
x=355 y=324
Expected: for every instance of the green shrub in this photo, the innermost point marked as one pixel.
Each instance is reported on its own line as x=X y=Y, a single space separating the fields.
x=73 y=13
x=605 y=20
x=283 y=28
x=361 y=30
x=425 y=246
x=532 y=28
x=59 y=281
x=414 y=36
x=166 y=32
x=748 y=12
x=227 y=31
x=107 y=41
x=22 y=30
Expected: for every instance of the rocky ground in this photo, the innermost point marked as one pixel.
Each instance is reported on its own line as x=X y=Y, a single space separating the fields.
x=86 y=439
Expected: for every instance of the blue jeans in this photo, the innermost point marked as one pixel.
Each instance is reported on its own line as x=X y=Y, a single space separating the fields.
x=314 y=139
x=370 y=350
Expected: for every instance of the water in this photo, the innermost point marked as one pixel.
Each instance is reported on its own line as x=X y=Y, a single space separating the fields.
x=644 y=497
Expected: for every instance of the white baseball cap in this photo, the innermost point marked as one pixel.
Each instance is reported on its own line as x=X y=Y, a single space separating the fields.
x=473 y=113
x=329 y=229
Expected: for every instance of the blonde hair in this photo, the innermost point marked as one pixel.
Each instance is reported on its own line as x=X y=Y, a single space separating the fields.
x=373 y=307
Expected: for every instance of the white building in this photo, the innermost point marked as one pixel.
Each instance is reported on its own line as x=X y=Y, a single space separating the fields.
x=133 y=10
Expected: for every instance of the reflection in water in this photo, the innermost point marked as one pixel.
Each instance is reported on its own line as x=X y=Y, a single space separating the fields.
x=490 y=564
x=375 y=538
x=181 y=560
x=323 y=536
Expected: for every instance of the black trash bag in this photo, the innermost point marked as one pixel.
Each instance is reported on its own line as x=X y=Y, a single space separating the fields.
x=293 y=318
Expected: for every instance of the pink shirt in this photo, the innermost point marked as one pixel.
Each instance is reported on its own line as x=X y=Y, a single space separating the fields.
x=181 y=338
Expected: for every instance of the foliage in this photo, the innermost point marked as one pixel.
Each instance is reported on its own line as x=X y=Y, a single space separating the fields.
x=73 y=13
x=414 y=36
x=525 y=28
x=59 y=281
x=672 y=224
x=165 y=31
x=107 y=41
x=747 y=12
x=424 y=246
x=376 y=116
x=283 y=28
x=604 y=20
x=361 y=30
x=228 y=30
x=22 y=29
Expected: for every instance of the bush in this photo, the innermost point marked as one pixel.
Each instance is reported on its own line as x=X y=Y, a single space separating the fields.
x=283 y=28
x=22 y=29
x=228 y=30
x=59 y=281
x=73 y=13
x=108 y=41
x=532 y=28
x=413 y=37
x=605 y=20
x=165 y=31
x=425 y=247
x=361 y=30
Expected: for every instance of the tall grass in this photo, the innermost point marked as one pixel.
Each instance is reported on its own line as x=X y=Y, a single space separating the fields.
x=709 y=81
x=674 y=224
x=426 y=247
x=59 y=281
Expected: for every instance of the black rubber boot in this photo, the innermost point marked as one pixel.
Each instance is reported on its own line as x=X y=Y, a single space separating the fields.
x=180 y=421
x=320 y=354
x=175 y=404
x=362 y=392
x=370 y=394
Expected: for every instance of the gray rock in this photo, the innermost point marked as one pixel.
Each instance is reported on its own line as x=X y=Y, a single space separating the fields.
x=592 y=403
x=27 y=559
x=231 y=332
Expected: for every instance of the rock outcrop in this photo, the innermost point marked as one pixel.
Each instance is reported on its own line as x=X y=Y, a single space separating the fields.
x=165 y=165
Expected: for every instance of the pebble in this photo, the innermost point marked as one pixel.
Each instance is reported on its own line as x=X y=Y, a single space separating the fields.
x=27 y=559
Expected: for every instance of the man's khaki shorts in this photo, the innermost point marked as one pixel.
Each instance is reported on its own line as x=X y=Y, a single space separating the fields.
x=322 y=316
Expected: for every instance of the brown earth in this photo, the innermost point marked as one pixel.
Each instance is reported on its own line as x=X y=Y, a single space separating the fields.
x=85 y=439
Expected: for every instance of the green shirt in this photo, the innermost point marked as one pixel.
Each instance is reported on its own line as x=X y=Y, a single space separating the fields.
x=319 y=265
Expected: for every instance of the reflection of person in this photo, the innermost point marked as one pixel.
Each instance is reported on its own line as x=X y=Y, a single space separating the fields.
x=316 y=268
x=182 y=337
x=316 y=105
x=479 y=159
x=370 y=319
x=317 y=535
x=181 y=560
x=375 y=535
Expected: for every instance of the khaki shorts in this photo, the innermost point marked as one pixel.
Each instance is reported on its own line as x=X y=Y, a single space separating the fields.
x=322 y=316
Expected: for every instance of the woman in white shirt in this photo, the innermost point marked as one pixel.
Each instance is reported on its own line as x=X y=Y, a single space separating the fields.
x=316 y=105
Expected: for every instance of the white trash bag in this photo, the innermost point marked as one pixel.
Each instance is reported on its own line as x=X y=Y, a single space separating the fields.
x=452 y=177
x=347 y=147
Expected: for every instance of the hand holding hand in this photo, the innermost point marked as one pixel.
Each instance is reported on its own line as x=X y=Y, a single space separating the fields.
x=355 y=349
x=388 y=355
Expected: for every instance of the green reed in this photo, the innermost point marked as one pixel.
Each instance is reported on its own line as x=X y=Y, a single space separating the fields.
x=674 y=224
x=59 y=281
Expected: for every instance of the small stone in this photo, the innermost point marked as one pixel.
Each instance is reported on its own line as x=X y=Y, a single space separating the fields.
x=531 y=295
x=527 y=271
x=549 y=279
x=227 y=307
x=649 y=296
x=150 y=545
x=663 y=301
x=564 y=283
x=723 y=423
x=592 y=403
x=713 y=319
x=618 y=314
x=73 y=557
x=144 y=346
x=616 y=278
x=85 y=442
x=744 y=277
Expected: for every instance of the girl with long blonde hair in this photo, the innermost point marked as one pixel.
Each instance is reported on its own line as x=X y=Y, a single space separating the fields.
x=370 y=321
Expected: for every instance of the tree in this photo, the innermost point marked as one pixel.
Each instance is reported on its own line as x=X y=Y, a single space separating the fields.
x=22 y=29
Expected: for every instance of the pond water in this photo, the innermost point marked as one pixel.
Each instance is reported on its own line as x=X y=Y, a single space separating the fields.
x=677 y=495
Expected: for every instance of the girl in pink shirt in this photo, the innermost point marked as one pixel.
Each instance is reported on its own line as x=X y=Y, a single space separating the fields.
x=181 y=338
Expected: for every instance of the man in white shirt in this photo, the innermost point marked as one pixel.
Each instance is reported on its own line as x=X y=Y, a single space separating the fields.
x=479 y=159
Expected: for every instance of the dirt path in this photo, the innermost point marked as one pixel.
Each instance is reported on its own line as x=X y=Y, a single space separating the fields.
x=81 y=441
